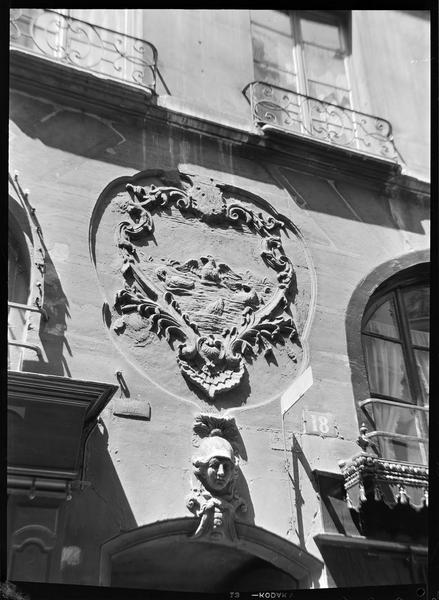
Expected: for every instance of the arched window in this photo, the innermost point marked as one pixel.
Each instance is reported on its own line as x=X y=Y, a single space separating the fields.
x=395 y=337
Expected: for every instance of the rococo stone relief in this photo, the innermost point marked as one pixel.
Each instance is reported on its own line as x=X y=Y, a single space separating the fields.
x=216 y=316
x=215 y=500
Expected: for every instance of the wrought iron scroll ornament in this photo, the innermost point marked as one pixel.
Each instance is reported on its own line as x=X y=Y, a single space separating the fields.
x=313 y=118
x=84 y=45
x=215 y=500
x=212 y=360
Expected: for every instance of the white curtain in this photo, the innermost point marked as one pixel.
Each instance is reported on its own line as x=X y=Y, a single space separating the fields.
x=387 y=376
x=385 y=365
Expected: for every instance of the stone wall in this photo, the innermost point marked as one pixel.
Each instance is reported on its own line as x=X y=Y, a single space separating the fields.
x=139 y=470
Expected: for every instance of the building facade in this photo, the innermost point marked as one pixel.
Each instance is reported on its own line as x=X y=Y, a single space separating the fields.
x=218 y=298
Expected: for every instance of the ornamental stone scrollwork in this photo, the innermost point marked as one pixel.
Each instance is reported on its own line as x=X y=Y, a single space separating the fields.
x=215 y=501
x=215 y=316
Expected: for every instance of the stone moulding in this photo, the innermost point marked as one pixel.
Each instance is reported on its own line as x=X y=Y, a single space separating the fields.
x=215 y=500
x=210 y=355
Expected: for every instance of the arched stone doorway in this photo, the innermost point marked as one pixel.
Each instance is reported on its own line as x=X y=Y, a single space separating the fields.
x=163 y=556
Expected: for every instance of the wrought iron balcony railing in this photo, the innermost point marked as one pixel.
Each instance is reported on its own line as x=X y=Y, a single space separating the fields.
x=400 y=429
x=81 y=45
x=321 y=121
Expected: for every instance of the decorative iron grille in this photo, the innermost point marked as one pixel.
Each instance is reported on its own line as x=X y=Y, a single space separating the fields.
x=411 y=447
x=88 y=47
x=312 y=118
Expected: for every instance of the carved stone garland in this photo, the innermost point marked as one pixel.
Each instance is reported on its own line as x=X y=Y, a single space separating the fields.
x=215 y=501
x=214 y=363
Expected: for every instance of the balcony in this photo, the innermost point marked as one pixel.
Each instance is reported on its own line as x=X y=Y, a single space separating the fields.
x=400 y=430
x=275 y=108
x=386 y=484
x=83 y=46
x=387 y=500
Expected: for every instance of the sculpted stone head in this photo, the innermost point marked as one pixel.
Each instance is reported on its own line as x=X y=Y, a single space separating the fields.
x=215 y=464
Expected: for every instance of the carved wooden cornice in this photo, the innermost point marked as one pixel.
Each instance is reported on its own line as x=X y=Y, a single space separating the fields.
x=387 y=499
x=94 y=394
x=365 y=465
x=37 y=405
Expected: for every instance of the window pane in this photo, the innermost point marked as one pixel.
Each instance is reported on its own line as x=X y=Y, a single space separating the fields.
x=423 y=363
x=417 y=305
x=103 y=17
x=408 y=451
x=383 y=321
x=405 y=421
x=385 y=368
x=272 y=48
x=327 y=93
x=324 y=34
x=274 y=19
x=325 y=66
x=272 y=75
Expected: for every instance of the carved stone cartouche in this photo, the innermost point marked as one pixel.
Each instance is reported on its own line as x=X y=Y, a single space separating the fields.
x=218 y=317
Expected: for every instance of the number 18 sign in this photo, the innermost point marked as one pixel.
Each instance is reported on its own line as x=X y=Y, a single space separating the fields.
x=316 y=423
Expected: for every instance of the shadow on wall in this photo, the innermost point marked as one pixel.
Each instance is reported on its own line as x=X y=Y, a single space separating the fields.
x=159 y=145
x=241 y=483
x=68 y=130
x=242 y=487
x=163 y=146
x=348 y=201
x=52 y=330
x=95 y=514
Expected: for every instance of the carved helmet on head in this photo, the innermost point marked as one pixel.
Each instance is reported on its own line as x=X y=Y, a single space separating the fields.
x=214 y=446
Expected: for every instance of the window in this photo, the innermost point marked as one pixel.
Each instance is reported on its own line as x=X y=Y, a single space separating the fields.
x=395 y=336
x=303 y=51
x=18 y=295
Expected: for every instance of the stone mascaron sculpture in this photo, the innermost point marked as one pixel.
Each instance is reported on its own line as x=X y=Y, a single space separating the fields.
x=215 y=500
